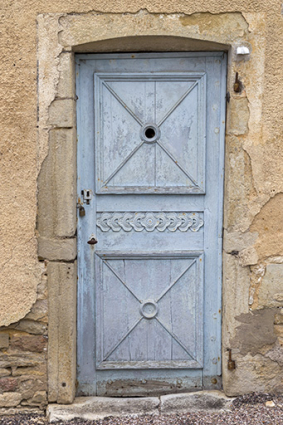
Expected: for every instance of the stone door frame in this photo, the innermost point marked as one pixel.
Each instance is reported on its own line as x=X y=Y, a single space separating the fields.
x=60 y=36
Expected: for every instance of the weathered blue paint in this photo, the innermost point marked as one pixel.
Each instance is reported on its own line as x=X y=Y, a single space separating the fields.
x=151 y=150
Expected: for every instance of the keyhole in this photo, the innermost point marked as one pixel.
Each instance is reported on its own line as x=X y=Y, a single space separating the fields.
x=150 y=133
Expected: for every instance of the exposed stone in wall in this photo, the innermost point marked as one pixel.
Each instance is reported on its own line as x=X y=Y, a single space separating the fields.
x=259 y=332
x=23 y=357
x=23 y=371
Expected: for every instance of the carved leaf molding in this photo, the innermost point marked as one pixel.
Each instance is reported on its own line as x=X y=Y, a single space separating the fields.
x=150 y=221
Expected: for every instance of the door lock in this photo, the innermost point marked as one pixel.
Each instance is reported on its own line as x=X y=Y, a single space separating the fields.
x=81 y=211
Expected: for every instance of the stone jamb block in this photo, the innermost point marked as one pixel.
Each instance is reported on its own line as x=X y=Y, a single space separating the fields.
x=62 y=286
x=57 y=249
x=62 y=113
x=64 y=181
x=238 y=116
x=57 y=180
x=66 y=84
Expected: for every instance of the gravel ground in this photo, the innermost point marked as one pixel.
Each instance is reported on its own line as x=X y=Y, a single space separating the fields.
x=252 y=409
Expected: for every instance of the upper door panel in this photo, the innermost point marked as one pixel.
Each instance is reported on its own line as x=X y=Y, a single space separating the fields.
x=150 y=132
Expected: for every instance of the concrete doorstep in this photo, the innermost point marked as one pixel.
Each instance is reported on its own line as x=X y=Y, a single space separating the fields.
x=93 y=408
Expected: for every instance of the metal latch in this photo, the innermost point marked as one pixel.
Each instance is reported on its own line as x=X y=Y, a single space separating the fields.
x=86 y=198
x=87 y=195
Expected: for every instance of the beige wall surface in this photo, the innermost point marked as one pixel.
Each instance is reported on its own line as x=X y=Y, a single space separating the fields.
x=253 y=204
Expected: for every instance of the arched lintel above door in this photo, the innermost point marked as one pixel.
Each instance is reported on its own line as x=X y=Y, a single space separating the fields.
x=150 y=43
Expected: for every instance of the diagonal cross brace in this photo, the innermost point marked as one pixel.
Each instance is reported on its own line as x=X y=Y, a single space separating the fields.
x=139 y=320
x=141 y=124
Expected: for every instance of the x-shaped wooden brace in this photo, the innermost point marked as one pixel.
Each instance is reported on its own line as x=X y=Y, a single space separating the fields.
x=177 y=163
x=166 y=290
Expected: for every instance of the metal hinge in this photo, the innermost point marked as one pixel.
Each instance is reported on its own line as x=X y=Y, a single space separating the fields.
x=228 y=96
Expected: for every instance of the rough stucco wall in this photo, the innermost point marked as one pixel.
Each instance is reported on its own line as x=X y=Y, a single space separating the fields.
x=253 y=260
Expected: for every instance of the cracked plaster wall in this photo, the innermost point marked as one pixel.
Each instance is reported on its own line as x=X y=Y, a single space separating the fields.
x=253 y=257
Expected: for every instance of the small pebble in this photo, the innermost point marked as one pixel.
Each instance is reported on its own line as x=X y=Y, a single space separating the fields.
x=270 y=403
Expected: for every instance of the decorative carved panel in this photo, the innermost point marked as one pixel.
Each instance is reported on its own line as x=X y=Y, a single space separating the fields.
x=150 y=221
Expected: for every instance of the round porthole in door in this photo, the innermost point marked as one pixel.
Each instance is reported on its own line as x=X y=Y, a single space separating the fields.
x=150 y=133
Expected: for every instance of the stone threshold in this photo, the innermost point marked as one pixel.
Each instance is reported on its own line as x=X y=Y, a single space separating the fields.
x=93 y=408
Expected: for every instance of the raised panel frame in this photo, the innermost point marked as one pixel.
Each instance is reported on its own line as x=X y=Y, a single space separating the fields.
x=199 y=78
x=196 y=363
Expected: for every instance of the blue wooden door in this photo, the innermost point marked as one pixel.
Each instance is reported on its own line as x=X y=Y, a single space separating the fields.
x=150 y=184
